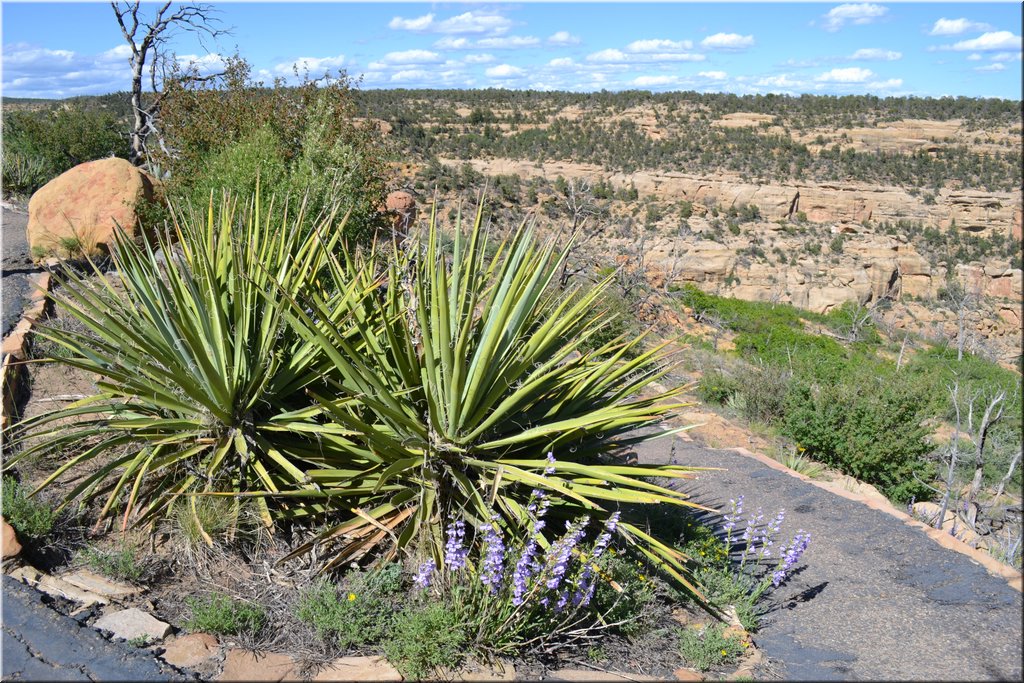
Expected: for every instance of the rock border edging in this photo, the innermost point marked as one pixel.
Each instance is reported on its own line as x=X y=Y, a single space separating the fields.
x=16 y=344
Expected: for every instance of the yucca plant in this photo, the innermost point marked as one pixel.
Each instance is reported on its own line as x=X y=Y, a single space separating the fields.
x=446 y=406
x=199 y=374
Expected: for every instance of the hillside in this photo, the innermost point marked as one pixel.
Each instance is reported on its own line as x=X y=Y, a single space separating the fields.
x=813 y=201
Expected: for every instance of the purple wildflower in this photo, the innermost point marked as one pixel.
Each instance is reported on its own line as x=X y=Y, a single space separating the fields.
x=455 y=550
x=791 y=556
x=559 y=553
x=494 y=558
x=423 y=576
x=550 y=469
x=587 y=579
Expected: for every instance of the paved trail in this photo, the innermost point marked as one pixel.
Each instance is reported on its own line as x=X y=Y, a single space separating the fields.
x=16 y=266
x=878 y=600
x=41 y=645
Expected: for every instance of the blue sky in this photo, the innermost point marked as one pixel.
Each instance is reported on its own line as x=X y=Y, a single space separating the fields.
x=882 y=48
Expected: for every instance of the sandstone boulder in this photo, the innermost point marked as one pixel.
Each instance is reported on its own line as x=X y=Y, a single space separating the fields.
x=77 y=212
x=133 y=623
x=402 y=206
x=191 y=650
x=9 y=544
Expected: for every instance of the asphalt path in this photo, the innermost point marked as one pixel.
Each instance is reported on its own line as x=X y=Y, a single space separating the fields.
x=876 y=599
x=39 y=644
x=16 y=265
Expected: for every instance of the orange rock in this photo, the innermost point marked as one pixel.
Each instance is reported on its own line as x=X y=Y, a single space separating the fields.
x=190 y=650
x=10 y=545
x=687 y=675
x=245 y=665
x=359 y=669
x=85 y=204
x=403 y=206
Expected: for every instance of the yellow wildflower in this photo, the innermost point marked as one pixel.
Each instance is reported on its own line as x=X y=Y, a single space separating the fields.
x=351 y=597
x=724 y=653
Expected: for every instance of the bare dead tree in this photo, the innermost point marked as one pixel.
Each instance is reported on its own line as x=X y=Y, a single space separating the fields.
x=996 y=404
x=579 y=202
x=962 y=300
x=148 y=41
x=952 y=454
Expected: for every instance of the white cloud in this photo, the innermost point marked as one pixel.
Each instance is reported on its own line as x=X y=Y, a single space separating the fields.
x=563 y=38
x=727 y=41
x=419 y=24
x=975 y=57
x=410 y=75
x=475 y=22
x=658 y=45
x=780 y=81
x=508 y=43
x=504 y=71
x=411 y=57
x=855 y=13
x=874 y=53
x=449 y=43
x=562 y=63
x=994 y=66
x=1004 y=57
x=995 y=40
x=714 y=75
x=609 y=55
x=314 y=65
x=889 y=84
x=467 y=22
x=35 y=71
x=119 y=52
x=677 y=57
x=479 y=58
x=648 y=81
x=954 y=27
x=853 y=74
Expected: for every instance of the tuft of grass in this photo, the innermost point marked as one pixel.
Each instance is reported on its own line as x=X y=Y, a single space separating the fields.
x=32 y=518
x=123 y=563
x=803 y=465
x=425 y=638
x=222 y=615
x=708 y=647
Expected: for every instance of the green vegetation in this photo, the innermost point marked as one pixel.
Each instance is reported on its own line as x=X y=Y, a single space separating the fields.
x=39 y=146
x=709 y=647
x=31 y=518
x=123 y=563
x=426 y=123
x=424 y=638
x=362 y=611
x=222 y=615
x=260 y=361
x=845 y=405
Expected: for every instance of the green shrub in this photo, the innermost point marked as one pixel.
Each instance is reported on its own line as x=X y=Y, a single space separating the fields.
x=31 y=518
x=715 y=386
x=868 y=426
x=42 y=145
x=764 y=392
x=425 y=638
x=360 y=612
x=222 y=615
x=237 y=167
x=708 y=647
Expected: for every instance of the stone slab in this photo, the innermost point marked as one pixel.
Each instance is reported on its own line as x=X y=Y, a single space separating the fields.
x=133 y=623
